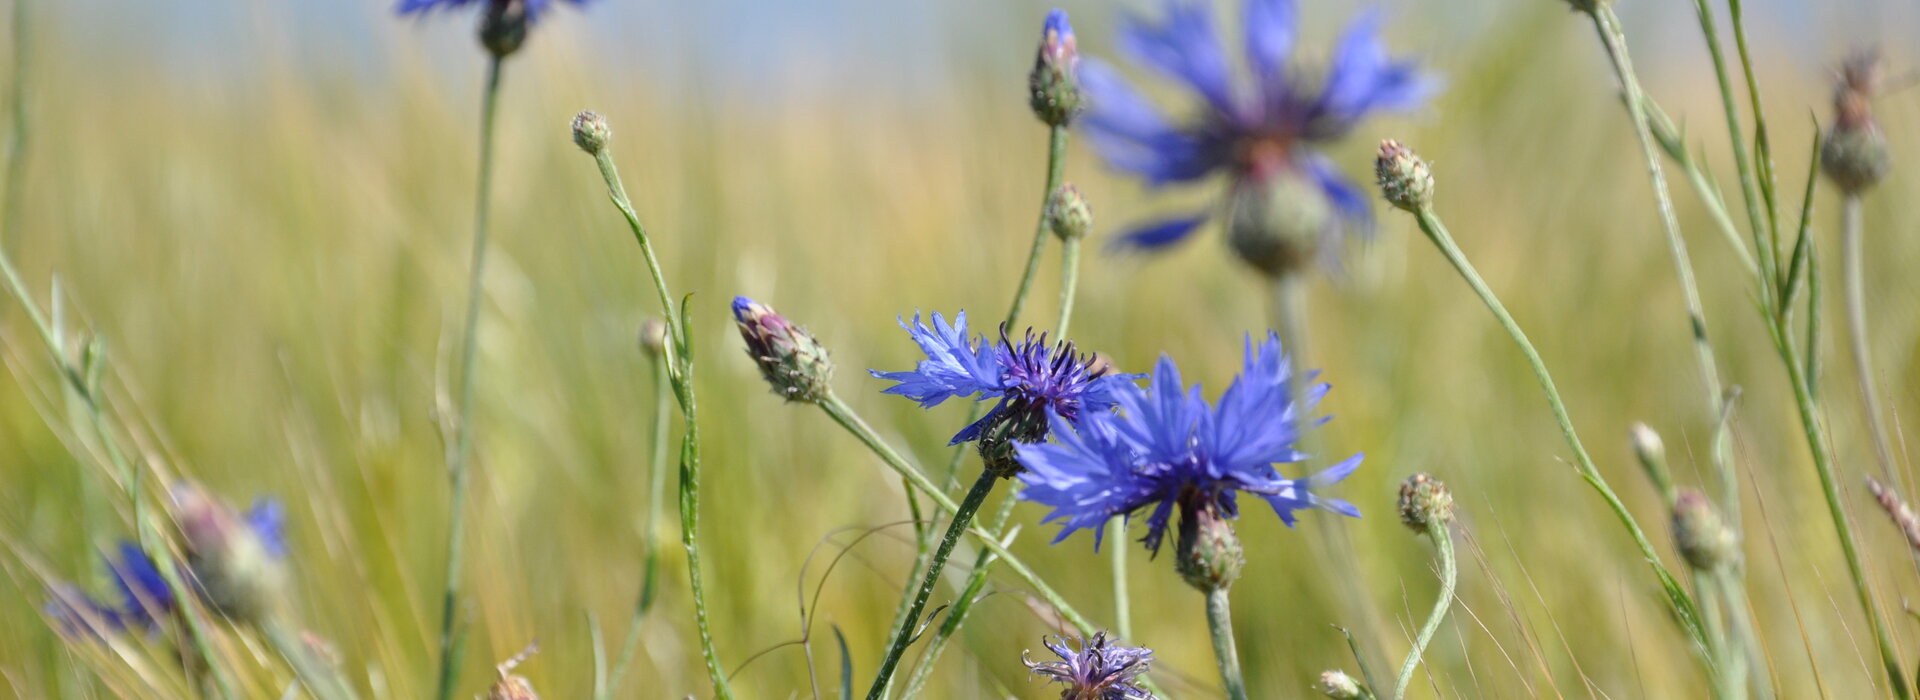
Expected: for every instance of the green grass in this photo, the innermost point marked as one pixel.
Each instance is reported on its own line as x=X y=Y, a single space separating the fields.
x=277 y=269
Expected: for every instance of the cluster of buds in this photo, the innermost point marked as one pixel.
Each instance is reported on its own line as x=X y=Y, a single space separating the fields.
x=1425 y=503
x=1854 y=152
x=1068 y=215
x=1054 y=83
x=1700 y=534
x=1405 y=180
x=793 y=363
x=1208 y=554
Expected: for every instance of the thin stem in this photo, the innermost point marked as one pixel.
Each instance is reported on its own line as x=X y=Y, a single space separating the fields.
x=1607 y=24
x=656 y=488
x=1220 y=629
x=1677 y=597
x=843 y=415
x=1442 y=538
x=618 y=193
x=1743 y=163
x=969 y=595
x=1853 y=263
x=904 y=635
x=1069 y=284
x=319 y=678
x=1117 y=561
x=463 y=416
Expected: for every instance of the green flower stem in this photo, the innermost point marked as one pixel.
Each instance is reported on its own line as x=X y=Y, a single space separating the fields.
x=1607 y=25
x=656 y=488
x=1069 y=284
x=1220 y=629
x=1677 y=598
x=1668 y=136
x=969 y=595
x=1743 y=163
x=1442 y=538
x=1853 y=264
x=844 y=415
x=904 y=634
x=450 y=632
x=679 y=370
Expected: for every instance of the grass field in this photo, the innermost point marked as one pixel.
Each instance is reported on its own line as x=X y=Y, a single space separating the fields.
x=275 y=260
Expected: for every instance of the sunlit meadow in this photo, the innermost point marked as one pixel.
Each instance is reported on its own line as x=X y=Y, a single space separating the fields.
x=247 y=230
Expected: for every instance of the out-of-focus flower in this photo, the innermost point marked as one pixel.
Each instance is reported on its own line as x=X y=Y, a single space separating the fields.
x=1054 y=83
x=503 y=23
x=1285 y=198
x=1099 y=669
x=1167 y=449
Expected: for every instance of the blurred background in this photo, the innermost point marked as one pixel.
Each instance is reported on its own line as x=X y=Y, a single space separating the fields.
x=264 y=209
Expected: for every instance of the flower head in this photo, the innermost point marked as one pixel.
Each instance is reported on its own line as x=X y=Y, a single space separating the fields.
x=792 y=361
x=503 y=23
x=1098 y=670
x=1168 y=449
x=1036 y=383
x=1260 y=133
x=141 y=595
x=1054 y=81
x=238 y=559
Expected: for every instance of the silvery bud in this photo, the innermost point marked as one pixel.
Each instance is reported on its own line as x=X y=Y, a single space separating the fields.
x=1068 y=214
x=653 y=337
x=591 y=132
x=1405 y=180
x=1425 y=503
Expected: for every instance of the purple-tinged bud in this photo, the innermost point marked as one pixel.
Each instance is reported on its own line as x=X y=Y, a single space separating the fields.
x=503 y=27
x=591 y=132
x=1425 y=503
x=795 y=364
x=1854 y=152
x=1208 y=554
x=1278 y=220
x=1700 y=534
x=1405 y=180
x=236 y=562
x=1068 y=214
x=1338 y=685
x=1054 y=82
x=653 y=337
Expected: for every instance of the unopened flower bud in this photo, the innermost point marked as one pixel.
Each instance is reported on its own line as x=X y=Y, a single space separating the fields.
x=1405 y=179
x=1337 y=684
x=1068 y=214
x=236 y=561
x=1702 y=537
x=1208 y=554
x=1278 y=220
x=795 y=364
x=1054 y=82
x=653 y=337
x=1647 y=445
x=591 y=132
x=1425 y=503
x=1854 y=152
x=503 y=27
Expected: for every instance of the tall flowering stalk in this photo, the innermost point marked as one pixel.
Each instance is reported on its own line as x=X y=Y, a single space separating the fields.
x=1426 y=508
x=1854 y=157
x=591 y=133
x=503 y=29
x=1167 y=451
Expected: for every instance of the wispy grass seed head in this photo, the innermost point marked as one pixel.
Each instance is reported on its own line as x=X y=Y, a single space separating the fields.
x=1168 y=449
x=795 y=364
x=1098 y=669
x=1263 y=134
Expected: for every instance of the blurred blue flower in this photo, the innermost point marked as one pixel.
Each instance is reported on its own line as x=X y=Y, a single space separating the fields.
x=1034 y=381
x=1168 y=448
x=533 y=8
x=267 y=517
x=1253 y=133
x=1098 y=670
x=144 y=596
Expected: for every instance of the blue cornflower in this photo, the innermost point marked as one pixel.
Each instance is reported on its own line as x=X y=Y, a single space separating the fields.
x=532 y=8
x=1167 y=448
x=143 y=597
x=1098 y=670
x=1035 y=382
x=503 y=23
x=1261 y=135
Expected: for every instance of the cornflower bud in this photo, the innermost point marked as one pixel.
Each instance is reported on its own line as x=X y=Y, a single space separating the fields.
x=1068 y=214
x=1404 y=178
x=503 y=27
x=236 y=561
x=653 y=337
x=1854 y=152
x=1277 y=221
x=795 y=364
x=1702 y=537
x=1054 y=83
x=1208 y=554
x=1338 y=685
x=1425 y=503
x=591 y=132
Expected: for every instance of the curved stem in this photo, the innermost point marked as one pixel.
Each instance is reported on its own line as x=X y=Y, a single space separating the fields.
x=463 y=417
x=1220 y=629
x=1854 y=268
x=904 y=635
x=1449 y=574
x=1677 y=597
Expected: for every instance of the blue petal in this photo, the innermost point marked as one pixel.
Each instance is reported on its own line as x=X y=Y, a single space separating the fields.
x=1155 y=235
x=268 y=519
x=144 y=594
x=1131 y=134
x=1356 y=210
x=1270 y=27
x=956 y=364
x=1183 y=47
x=1362 y=79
